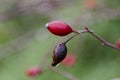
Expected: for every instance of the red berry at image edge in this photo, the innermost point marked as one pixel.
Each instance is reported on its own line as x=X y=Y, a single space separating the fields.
x=118 y=43
x=70 y=60
x=90 y=4
x=34 y=71
x=59 y=28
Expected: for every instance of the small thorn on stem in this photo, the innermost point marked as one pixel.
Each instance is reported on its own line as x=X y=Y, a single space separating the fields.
x=86 y=28
x=74 y=31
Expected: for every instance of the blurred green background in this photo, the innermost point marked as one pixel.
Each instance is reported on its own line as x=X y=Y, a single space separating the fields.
x=24 y=40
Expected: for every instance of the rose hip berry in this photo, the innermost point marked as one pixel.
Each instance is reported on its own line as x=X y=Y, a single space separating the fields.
x=118 y=43
x=59 y=28
x=69 y=60
x=59 y=53
x=34 y=71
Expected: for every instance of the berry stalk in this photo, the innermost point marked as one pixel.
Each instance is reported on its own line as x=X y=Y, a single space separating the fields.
x=104 y=42
x=65 y=74
x=76 y=33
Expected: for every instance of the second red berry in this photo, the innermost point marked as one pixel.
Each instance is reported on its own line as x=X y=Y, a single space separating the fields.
x=34 y=71
x=118 y=43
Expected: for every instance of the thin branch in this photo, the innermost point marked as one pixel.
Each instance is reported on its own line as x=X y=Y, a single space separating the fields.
x=77 y=33
x=101 y=39
x=65 y=74
x=70 y=38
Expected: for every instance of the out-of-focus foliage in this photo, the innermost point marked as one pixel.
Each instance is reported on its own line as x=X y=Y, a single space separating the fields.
x=24 y=40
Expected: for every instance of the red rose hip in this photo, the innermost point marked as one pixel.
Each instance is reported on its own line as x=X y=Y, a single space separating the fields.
x=70 y=60
x=34 y=71
x=118 y=43
x=59 y=28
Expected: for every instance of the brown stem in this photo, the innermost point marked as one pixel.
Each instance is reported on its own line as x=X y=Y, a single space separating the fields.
x=65 y=74
x=101 y=39
x=70 y=38
x=76 y=33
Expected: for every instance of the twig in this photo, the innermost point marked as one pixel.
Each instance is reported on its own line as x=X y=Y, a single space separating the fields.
x=101 y=39
x=77 y=33
x=65 y=74
x=70 y=38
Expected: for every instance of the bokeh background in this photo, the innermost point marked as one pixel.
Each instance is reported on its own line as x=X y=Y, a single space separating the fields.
x=24 y=40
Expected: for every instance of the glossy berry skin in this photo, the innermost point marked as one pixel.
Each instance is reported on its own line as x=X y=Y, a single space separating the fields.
x=59 y=53
x=59 y=28
x=118 y=43
x=34 y=71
